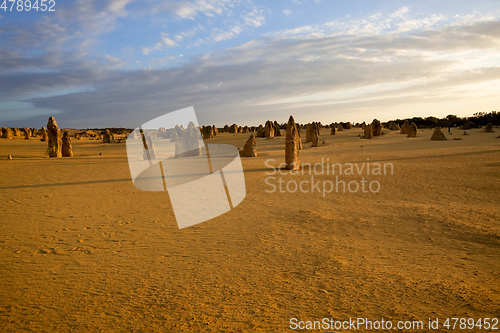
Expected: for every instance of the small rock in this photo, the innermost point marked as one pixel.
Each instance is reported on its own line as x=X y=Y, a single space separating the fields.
x=412 y=130
x=269 y=130
x=250 y=148
x=438 y=135
x=405 y=127
x=376 y=128
x=368 y=131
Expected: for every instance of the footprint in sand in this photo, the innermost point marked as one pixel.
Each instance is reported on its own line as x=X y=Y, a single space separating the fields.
x=46 y=251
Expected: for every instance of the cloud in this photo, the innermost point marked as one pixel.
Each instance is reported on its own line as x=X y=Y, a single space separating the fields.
x=191 y=9
x=167 y=41
x=219 y=35
x=339 y=71
x=116 y=62
x=164 y=41
x=399 y=13
x=254 y=18
x=58 y=41
x=326 y=77
x=375 y=24
x=304 y=30
x=213 y=21
x=118 y=5
x=15 y=111
x=415 y=24
x=287 y=12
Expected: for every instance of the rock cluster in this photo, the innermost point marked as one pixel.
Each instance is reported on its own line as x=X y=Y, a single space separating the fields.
x=189 y=142
x=6 y=133
x=107 y=137
x=27 y=133
x=207 y=132
x=162 y=133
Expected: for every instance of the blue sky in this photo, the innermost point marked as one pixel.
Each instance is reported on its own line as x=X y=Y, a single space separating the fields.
x=111 y=63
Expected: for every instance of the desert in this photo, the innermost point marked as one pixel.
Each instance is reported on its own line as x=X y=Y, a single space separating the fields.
x=81 y=249
x=187 y=166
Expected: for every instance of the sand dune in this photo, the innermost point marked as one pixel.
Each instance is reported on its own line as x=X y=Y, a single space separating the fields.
x=82 y=250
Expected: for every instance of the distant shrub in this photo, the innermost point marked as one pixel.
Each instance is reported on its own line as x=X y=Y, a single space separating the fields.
x=477 y=120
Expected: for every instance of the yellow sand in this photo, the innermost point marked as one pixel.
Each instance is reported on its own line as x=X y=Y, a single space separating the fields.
x=82 y=250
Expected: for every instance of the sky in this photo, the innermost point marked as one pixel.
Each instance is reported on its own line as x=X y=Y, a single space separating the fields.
x=120 y=63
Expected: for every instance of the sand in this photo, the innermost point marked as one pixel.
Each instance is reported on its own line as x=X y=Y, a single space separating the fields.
x=82 y=250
